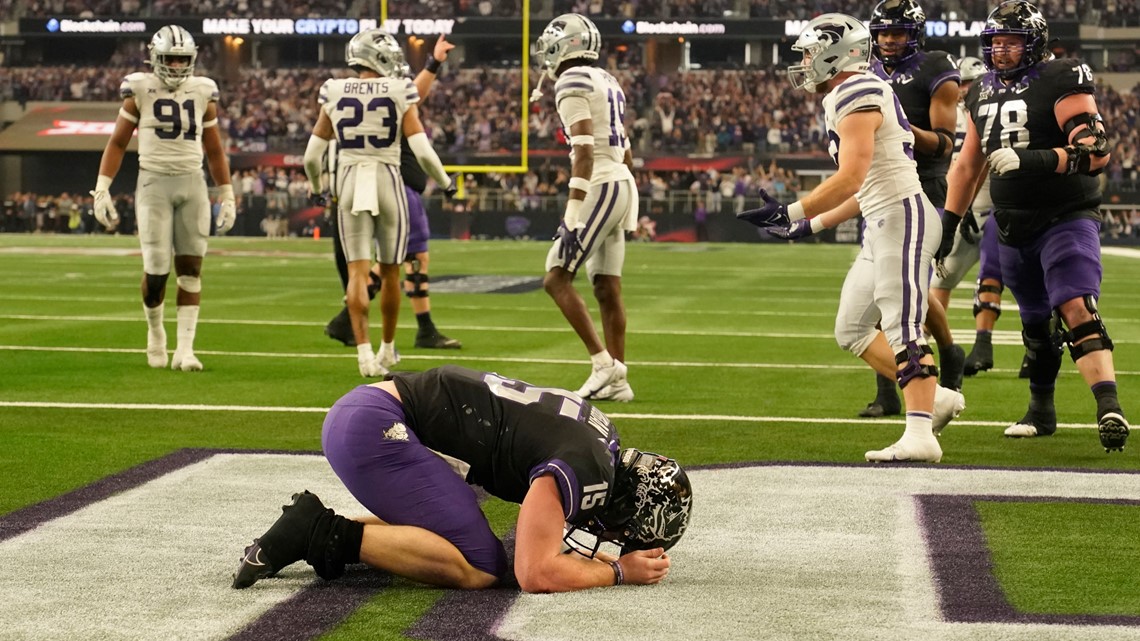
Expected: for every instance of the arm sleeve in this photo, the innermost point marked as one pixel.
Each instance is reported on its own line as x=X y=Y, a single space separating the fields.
x=428 y=159
x=314 y=156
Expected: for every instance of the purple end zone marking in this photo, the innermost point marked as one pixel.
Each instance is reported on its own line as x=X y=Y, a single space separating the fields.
x=963 y=570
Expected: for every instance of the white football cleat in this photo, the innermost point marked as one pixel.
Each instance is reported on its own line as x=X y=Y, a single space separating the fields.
x=620 y=392
x=388 y=358
x=601 y=377
x=185 y=361
x=948 y=404
x=908 y=450
x=1021 y=430
x=156 y=348
x=371 y=367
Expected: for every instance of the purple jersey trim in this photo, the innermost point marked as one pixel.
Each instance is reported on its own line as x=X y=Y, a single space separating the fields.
x=567 y=483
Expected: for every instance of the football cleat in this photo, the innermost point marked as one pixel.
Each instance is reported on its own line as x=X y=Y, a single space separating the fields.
x=1113 y=431
x=185 y=361
x=156 y=348
x=980 y=359
x=600 y=377
x=952 y=366
x=387 y=358
x=619 y=392
x=879 y=408
x=435 y=340
x=908 y=450
x=340 y=328
x=1021 y=430
x=948 y=404
x=1044 y=424
x=284 y=543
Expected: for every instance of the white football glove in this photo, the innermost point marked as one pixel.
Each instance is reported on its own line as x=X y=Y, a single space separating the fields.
x=227 y=215
x=1004 y=160
x=104 y=207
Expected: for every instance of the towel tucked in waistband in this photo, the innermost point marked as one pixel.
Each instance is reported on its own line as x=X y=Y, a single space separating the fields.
x=364 y=195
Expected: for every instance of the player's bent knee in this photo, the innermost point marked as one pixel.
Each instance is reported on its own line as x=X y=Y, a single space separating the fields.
x=1089 y=336
x=418 y=285
x=910 y=358
x=190 y=284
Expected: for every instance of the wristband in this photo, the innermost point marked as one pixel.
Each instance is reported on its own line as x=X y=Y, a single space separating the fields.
x=619 y=576
x=433 y=65
x=795 y=211
x=579 y=183
x=573 y=206
x=945 y=138
x=817 y=224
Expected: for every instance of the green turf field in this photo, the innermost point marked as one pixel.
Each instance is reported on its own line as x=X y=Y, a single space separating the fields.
x=730 y=352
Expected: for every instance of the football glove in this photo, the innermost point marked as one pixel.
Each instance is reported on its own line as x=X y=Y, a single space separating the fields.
x=568 y=243
x=104 y=207
x=773 y=214
x=799 y=229
x=450 y=191
x=969 y=229
x=320 y=199
x=227 y=214
x=950 y=222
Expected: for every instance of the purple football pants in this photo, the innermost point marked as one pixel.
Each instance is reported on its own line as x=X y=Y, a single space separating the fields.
x=1060 y=265
x=418 y=231
x=383 y=464
x=989 y=264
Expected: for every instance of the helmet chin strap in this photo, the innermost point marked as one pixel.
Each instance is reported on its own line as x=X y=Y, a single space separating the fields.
x=537 y=94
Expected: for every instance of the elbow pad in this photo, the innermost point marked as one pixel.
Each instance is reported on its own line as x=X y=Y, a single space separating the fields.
x=428 y=159
x=314 y=156
x=1081 y=153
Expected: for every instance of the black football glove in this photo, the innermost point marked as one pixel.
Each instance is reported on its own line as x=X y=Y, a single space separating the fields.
x=950 y=222
x=772 y=214
x=969 y=229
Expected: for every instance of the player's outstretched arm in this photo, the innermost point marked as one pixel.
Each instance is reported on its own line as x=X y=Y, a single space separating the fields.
x=421 y=147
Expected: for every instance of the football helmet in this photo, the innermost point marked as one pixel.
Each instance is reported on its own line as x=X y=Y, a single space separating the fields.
x=899 y=14
x=831 y=44
x=567 y=37
x=971 y=68
x=168 y=44
x=1021 y=18
x=648 y=508
x=377 y=50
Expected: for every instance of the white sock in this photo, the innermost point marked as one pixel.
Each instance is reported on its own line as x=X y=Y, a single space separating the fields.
x=918 y=425
x=602 y=359
x=154 y=318
x=388 y=347
x=364 y=352
x=187 y=326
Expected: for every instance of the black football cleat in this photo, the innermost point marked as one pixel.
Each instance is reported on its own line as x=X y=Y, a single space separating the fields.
x=879 y=409
x=340 y=328
x=1113 y=432
x=435 y=340
x=284 y=543
x=980 y=359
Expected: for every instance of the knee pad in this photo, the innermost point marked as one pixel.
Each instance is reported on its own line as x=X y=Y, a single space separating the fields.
x=155 y=286
x=334 y=542
x=980 y=305
x=1044 y=343
x=190 y=284
x=911 y=354
x=374 y=283
x=419 y=285
x=1094 y=327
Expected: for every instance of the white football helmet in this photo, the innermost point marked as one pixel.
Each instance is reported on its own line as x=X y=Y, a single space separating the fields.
x=567 y=37
x=169 y=43
x=379 y=51
x=831 y=44
x=971 y=68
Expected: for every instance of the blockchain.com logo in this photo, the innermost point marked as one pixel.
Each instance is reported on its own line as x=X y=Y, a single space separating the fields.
x=628 y=26
x=53 y=25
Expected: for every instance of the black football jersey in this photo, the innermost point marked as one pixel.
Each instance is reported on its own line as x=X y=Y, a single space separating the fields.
x=914 y=82
x=414 y=175
x=511 y=432
x=1021 y=115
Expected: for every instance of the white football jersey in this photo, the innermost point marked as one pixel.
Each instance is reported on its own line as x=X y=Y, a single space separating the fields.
x=607 y=113
x=893 y=175
x=170 y=121
x=367 y=115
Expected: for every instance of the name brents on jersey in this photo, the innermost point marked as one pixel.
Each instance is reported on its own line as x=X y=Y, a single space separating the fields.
x=319 y=26
x=366 y=88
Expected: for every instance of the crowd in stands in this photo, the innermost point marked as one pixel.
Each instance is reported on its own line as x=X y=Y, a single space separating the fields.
x=1105 y=13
